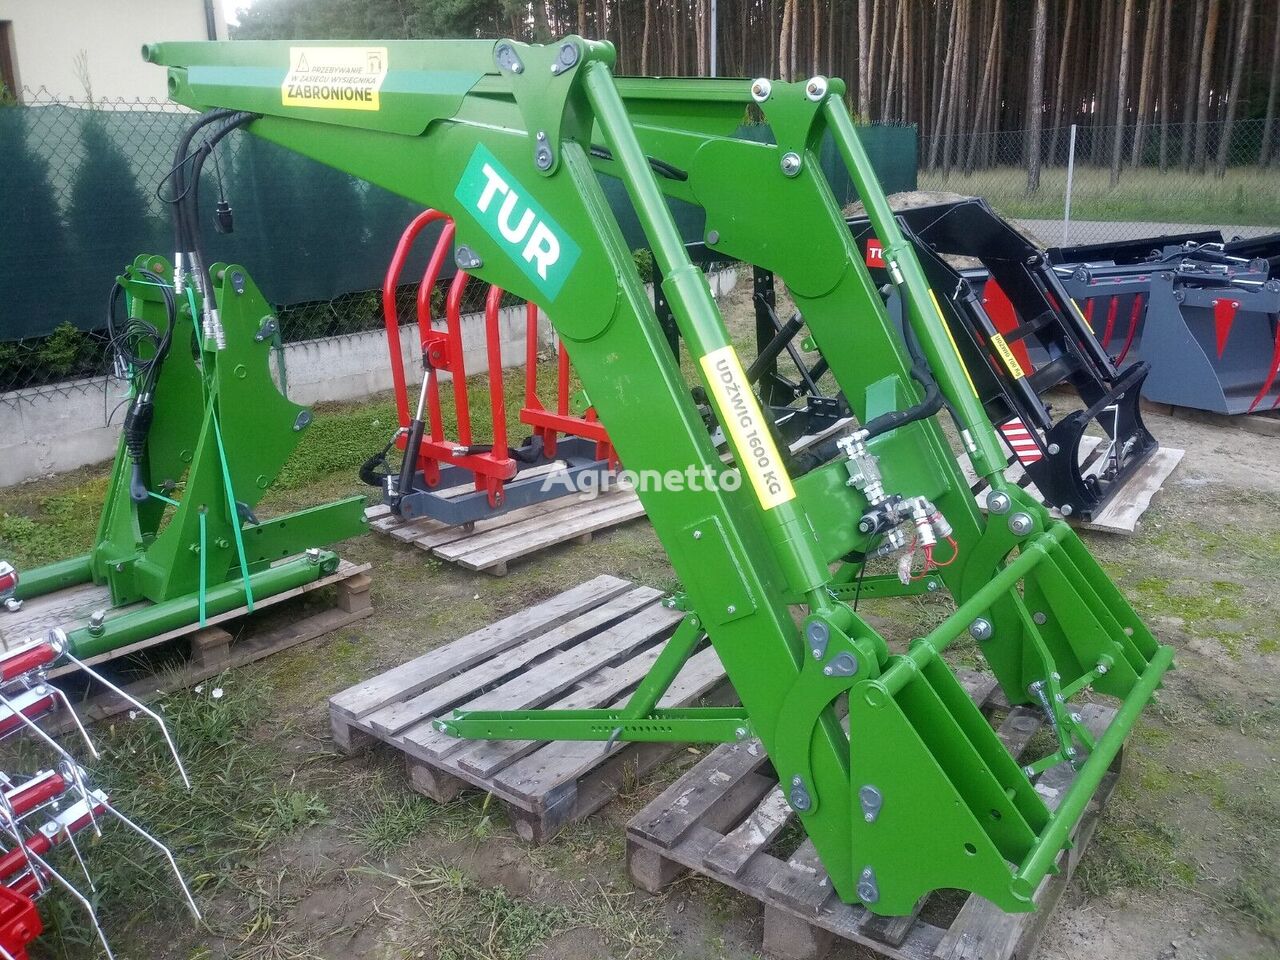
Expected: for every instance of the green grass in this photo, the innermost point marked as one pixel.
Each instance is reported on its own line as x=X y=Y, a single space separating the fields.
x=1245 y=197
x=237 y=806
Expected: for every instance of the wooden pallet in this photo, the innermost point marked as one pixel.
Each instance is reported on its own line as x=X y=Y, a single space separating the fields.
x=212 y=649
x=719 y=819
x=586 y=647
x=494 y=542
x=1122 y=512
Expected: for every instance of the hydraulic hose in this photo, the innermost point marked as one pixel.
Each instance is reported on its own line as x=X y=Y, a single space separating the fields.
x=142 y=350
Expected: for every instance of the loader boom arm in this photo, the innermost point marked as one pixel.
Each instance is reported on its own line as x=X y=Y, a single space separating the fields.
x=509 y=140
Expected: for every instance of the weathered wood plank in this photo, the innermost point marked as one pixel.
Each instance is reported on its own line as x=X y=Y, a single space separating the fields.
x=691 y=798
x=549 y=678
x=513 y=543
x=462 y=686
x=751 y=836
x=410 y=679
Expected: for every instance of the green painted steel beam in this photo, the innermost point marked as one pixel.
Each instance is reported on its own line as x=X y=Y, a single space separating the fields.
x=54 y=576
x=664 y=724
x=149 y=620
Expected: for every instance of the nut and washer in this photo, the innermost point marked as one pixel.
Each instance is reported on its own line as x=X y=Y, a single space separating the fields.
x=760 y=90
x=868 y=890
x=1020 y=524
x=816 y=88
x=999 y=502
x=542 y=155
x=980 y=629
x=791 y=163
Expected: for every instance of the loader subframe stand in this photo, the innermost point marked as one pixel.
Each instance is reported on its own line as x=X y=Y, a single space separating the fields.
x=194 y=546
x=509 y=140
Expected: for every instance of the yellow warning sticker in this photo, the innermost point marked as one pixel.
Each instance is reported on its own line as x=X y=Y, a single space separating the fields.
x=1082 y=316
x=744 y=422
x=335 y=78
x=1010 y=361
x=947 y=327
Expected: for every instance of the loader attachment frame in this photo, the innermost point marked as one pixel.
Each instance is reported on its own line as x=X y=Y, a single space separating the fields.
x=509 y=139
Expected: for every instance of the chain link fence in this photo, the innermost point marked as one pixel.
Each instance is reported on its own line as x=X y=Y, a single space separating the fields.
x=82 y=185
x=83 y=189
x=1117 y=183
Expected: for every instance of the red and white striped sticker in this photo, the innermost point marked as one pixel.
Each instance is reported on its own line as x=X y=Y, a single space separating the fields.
x=1021 y=441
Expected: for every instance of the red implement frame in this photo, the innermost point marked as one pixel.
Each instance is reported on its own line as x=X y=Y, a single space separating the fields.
x=490 y=463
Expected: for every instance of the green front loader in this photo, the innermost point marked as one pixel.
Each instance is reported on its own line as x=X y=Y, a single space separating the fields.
x=511 y=140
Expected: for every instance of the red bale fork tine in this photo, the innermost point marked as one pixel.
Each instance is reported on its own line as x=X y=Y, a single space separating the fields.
x=491 y=465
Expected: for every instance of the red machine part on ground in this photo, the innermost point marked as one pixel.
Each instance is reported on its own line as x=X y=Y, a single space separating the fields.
x=491 y=464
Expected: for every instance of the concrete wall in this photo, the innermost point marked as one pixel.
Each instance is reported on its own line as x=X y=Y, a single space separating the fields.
x=46 y=36
x=49 y=430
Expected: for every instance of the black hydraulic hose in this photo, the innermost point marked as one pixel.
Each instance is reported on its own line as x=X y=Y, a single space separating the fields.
x=177 y=175
x=191 y=198
x=773 y=349
x=143 y=349
x=929 y=405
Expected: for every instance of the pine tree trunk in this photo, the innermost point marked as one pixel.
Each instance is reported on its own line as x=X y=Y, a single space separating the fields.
x=644 y=42
x=985 y=96
x=1273 y=93
x=891 y=80
x=1146 y=81
x=1035 y=96
x=1122 y=91
x=1057 y=110
x=784 y=41
x=831 y=40
x=816 y=48
x=864 y=59
x=1165 y=98
x=1193 y=84
x=940 y=115
x=1233 y=93
x=540 y=32
x=1206 y=70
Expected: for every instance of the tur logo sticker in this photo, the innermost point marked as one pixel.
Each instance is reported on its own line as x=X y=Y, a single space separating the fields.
x=538 y=245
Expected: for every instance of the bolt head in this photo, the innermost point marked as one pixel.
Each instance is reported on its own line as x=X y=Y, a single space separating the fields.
x=1076 y=718
x=731 y=609
x=1102 y=668
x=998 y=502
x=980 y=629
x=760 y=90
x=1039 y=617
x=932 y=586
x=791 y=163
x=827 y=671
x=1067 y=510
x=740 y=733
x=1054 y=448
x=697 y=534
